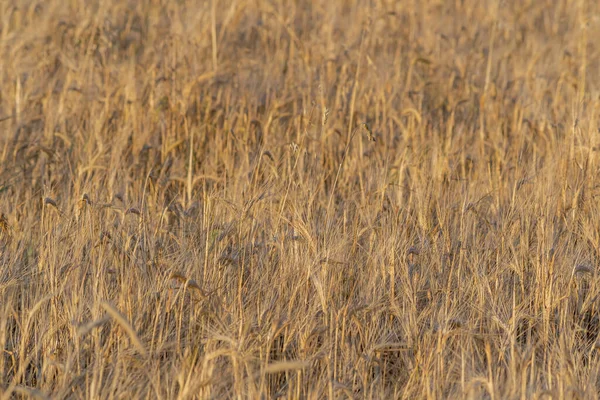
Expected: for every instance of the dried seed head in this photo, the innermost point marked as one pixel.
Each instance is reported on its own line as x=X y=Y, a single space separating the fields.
x=175 y=209
x=83 y=202
x=325 y=116
x=413 y=250
x=133 y=210
x=191 y=209
x=268 y=154
x=49 y=201
x=178 y=278
x=583 y=269
x=105 y=238
x=4 y=227
x=454 y=323
x=119 y=197
x=369 y=132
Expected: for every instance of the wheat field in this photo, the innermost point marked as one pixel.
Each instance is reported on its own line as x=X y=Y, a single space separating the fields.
x=260 y=199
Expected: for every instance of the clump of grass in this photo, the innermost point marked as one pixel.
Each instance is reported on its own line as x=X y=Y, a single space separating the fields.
x=242 y=199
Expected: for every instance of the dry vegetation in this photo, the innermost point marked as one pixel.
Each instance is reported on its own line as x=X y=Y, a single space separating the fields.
x=193 y=206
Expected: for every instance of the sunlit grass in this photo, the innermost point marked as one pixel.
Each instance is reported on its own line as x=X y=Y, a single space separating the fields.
x=299 y=199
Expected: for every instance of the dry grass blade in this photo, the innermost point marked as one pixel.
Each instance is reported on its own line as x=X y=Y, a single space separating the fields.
x=405 y=196
x=283 y=366
x=122 y=321
x=84 y=329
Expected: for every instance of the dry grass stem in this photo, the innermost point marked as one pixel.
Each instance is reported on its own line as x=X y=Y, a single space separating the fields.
x=234 y=199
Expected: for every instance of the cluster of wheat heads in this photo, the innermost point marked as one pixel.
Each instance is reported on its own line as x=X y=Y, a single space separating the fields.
x=299 y=199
